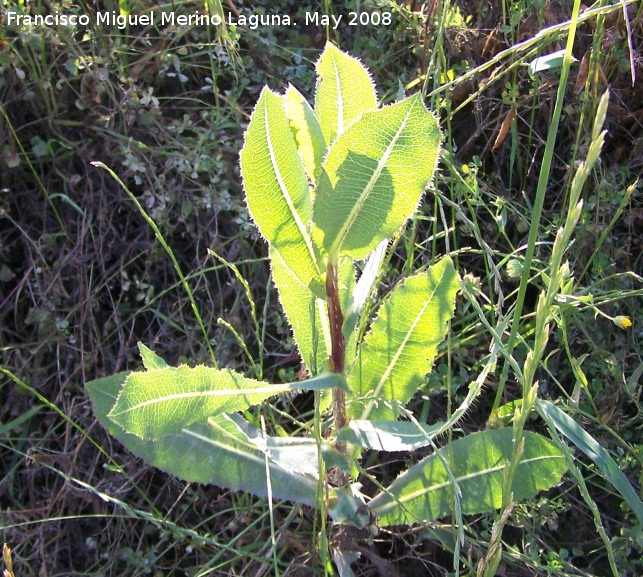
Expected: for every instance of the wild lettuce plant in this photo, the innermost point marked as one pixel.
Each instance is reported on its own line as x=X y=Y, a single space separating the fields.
x=328 y=186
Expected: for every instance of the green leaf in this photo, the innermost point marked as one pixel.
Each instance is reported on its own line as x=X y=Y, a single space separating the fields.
x=305 y=312
x=346 y=506
x=160 y=402
x=276 y=188
x=389 y=435
x=399 y=351
x=374 y=177
x=165 y=401
x=548 y=62
x=344 y=92
x=215 y=452
x=150 y=359
x=295 y=454
x=364 y=288
x=424 y=492
x=311 y=145
x=586 y=443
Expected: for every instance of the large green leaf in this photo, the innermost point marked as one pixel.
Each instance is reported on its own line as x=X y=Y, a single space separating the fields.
x=311 y=145
x=344 y=92
x=424 y=492
x=160 y=402
x=374 y=177
x=399 y=351
x=276 y=186
x=216 y=452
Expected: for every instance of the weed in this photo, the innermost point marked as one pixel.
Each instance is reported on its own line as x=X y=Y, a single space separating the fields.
x=79 y=262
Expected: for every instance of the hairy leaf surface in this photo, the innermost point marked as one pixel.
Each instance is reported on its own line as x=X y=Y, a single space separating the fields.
x=389 y=435
x=374 y=177
x=296 y=454
x=399 y=351
x=308 y=133
x=305 y=312
x=424 y=492
x=277 y=188
x=164 y=401
x=216 y=452
x=344 y=92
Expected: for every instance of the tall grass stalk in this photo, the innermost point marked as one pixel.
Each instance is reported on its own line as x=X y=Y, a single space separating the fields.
x=541 y=189
x=557 y=274
x=558 y=280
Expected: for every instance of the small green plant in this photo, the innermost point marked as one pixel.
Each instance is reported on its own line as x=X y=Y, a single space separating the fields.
x=327 y=186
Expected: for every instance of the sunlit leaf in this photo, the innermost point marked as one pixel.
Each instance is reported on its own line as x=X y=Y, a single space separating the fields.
x=400 y=349
x=424 y=492
x=366 y=190
x=215 y=452
x=296 y=454
x=305 y=312
x=344 y=92
x=389 y=435
x=150 y=359
x=159 y=402
x=276 y=188
x=311 y=145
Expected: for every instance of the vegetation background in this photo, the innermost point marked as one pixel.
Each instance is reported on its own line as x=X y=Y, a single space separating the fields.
x=83 y=277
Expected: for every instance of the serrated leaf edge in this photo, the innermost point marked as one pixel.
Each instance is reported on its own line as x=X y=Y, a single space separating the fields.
x=333 y=50
x=303 y=229
x=377 y=391
x=266 y=388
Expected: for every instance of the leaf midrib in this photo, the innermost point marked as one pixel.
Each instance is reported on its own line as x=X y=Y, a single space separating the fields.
x=426 y=490
x=276 y=389
x=248 y=456
x=398 y=353
x=368 y=189
x=286 y=194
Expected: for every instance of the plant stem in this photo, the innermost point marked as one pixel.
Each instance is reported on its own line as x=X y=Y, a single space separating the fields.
x=338 y=343
x=541 y=189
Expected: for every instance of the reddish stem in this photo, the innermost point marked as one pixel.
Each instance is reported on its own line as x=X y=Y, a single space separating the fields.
x=338 y=343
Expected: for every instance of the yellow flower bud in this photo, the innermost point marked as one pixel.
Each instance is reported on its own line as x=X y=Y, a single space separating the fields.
x=622 y=322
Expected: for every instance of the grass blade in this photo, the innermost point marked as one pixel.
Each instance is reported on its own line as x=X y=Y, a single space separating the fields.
x=588 y=445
